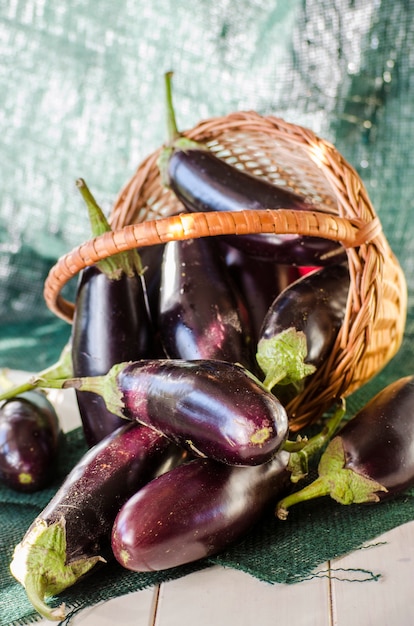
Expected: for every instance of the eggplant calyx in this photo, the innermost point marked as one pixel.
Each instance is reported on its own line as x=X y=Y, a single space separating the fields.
x=176 y=141
x=39 y=564
x=114 y=267
x=104 y=386
x=282 y=359
x=342 y=484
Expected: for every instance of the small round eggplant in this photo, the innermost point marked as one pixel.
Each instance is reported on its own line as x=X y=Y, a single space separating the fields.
x=29 y=442
x=213 y=408
x=195 y=511
x=372 y=457
x=201 y=313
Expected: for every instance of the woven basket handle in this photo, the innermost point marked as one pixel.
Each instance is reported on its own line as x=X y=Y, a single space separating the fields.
x=194 y=225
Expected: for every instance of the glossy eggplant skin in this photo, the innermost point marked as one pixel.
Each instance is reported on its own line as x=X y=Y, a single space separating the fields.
x=213 y=408
x=204 y=182
x=99 y=484
x=259 y=282
x=30 y=436
x=379 y=440
x=111 y=325
x=201 y=313
x=314 y=304
x=197 y=509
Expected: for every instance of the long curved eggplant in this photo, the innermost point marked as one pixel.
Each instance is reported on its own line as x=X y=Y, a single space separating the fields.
x=30 y=435
x=72 y=533
x=371 y=459
x=204 y=182
x=213 y=408
x=111 y=324
x=195 y=511
x=302 y=324
x=201 y=314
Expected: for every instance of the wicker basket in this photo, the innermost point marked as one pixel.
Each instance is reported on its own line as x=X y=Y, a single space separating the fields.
x=146 y=213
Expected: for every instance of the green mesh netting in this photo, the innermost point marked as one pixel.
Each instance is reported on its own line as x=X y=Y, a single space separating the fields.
x=81 y=94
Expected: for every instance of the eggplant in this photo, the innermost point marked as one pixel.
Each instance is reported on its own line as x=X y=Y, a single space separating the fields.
x=111 y=324
x=302 y=324
x=213 y=408
x=198 y=509
x=204 y=182
x=371 y=459
x=201 y=313
x=259 y=283
x=195 y=511
x=30 y=437
x=71 y=536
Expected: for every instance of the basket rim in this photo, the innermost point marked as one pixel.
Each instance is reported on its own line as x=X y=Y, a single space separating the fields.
x=350 y=233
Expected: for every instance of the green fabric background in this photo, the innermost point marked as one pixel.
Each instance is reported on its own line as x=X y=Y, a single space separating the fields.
x=81 y=94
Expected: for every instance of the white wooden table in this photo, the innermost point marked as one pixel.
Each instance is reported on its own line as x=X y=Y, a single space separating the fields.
x=226 y=597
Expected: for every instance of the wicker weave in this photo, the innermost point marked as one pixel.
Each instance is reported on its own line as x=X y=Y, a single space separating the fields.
x=146 y=213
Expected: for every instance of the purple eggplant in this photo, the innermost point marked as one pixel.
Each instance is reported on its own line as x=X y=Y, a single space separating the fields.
x=204 y=182
x=30 y=436
x=371 y=459
x=72 y=534
x=302 y=324
x=259 y=282
x=195 y=511
x=200 y=508
x=201 y=314
x=213 y=408
x=111 y=324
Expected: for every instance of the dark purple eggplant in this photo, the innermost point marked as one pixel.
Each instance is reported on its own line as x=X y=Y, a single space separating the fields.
x=111 y=324
x=199 y=509
x=371 y=459
x=30 y=436
x=151 y=261
x=204 y=182
x=302 y=324
x=201 y=314
x=72 y=534
x=195 y=511
x=259 y=282
x=213 y=408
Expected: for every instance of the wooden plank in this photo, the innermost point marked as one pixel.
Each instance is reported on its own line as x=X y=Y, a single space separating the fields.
x=388 y=600
x=233 y=598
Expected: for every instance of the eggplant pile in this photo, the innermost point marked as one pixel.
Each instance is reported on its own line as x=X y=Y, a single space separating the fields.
x=182 y=357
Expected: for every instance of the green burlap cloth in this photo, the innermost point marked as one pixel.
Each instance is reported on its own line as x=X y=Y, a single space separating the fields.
x=81 y=94
x=274 y=551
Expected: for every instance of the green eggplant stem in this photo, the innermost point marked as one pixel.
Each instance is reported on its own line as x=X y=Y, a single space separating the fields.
x=125 y=262
x=59 y=371
x=173 y=132
x=316 y=489
x=306 y=449
x=104 y=386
